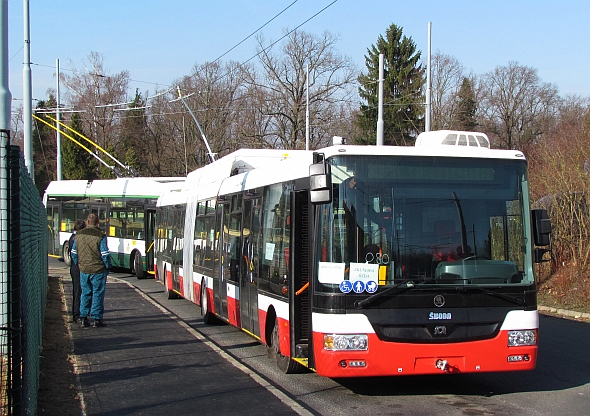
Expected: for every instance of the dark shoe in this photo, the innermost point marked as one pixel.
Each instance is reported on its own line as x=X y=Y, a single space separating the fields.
x=99 y=323
x=84 y=322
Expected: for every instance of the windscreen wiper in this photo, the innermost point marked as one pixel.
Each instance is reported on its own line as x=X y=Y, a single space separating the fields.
x=404 y=285
x=514 y=299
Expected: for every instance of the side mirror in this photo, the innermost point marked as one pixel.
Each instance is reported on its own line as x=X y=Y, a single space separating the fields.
x=541 y=233
x=541 y=227
x=320 y=182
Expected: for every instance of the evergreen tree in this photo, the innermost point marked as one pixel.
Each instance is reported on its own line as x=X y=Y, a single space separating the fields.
x=132 y=135
x=466 y=107
x=44 y=147
x=403 y=110
x=77 y=163
x=105 y=172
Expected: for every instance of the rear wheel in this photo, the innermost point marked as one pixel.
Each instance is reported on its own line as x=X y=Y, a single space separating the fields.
x=169 y=293
x=138 y=265
x=208 y=317
x=285 y=364
x=66 y=253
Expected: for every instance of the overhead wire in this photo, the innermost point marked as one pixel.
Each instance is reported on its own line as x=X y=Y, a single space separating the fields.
x=170 y=87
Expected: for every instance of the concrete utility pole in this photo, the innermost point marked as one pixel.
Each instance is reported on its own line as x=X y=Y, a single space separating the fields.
x=27 y=96
x=380 y=106
x=307 y=110
x=57 y=117
x=428 y=86
x=5 y=104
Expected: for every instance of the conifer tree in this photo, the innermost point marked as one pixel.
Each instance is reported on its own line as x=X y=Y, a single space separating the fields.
x=77 y=163
x=44 y=146
x=466 y=107
x=133 y=135
x=403 y=112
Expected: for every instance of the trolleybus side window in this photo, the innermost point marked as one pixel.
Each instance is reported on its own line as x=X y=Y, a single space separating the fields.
x=178 y=233
x=276 y=238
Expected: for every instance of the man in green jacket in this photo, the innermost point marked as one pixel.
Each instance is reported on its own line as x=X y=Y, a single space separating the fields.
x=91 y=253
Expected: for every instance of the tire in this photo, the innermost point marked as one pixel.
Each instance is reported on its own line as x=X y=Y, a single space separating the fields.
x=138 y=266
x=169 y=293
x=285 y=364
x=66 y=253
x=208 y=317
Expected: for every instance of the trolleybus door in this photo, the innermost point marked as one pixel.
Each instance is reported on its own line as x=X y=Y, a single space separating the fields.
x=300 y=262
x=222 y=272
x=249 y=266
x=53 y=227
x=150 y=226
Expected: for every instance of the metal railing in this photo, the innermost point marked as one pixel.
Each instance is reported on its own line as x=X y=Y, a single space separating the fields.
x=23 y=283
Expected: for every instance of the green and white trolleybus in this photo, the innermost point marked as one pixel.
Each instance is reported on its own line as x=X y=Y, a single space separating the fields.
x=125 y=208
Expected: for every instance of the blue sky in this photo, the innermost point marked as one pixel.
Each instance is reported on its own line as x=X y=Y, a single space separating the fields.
x=158 y=41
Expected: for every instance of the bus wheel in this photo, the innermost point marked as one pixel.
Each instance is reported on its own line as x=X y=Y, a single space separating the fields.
x=66 y=253
x=169 y=293
x=138 y=265
x=285 y=364
x=208 y=317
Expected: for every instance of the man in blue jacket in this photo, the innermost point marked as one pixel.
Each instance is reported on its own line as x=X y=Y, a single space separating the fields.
x=91 y=253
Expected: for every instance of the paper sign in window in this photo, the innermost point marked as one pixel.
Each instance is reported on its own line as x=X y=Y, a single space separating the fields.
x=330 y=273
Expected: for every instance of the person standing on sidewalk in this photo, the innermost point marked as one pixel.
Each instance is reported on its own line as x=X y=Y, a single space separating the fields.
x=91 y=253
x=75 y=274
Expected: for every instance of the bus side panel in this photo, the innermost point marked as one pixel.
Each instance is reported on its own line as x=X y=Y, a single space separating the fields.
x=281 y=311
x=391 y=358
x=181 y=282
x=168 y=282
x=233 y=305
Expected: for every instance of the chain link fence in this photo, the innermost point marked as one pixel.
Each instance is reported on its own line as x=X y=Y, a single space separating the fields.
x=23 y=283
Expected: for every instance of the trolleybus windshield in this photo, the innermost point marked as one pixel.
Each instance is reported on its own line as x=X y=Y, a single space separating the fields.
x=432 y=220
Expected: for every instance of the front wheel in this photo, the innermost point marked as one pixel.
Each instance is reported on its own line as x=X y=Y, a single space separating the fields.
x=138 y=265
x=285 y=364
x=66 y=253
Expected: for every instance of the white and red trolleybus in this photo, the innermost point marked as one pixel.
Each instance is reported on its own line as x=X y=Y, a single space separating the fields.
x=363 y=260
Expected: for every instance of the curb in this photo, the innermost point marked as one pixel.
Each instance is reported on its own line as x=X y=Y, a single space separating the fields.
x=564 y=312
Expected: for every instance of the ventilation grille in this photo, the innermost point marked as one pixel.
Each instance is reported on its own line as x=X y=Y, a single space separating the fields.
x=453 y=138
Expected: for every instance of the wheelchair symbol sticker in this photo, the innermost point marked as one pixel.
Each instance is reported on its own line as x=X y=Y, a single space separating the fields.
x=346 y=286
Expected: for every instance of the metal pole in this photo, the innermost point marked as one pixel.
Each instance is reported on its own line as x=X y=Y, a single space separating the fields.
x=5 y=95
x=27 y=95
x=428 y=86
x=57 y=117
x=307 y=111
x=380 y=108
x=5 y=104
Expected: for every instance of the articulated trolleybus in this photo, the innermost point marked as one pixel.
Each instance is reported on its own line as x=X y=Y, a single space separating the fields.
x=362 y=260
x=125 y=207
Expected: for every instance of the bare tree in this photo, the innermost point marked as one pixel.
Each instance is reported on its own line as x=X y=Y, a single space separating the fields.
x=95 y=92
x=213 y=94
x=515 y=107
x=281 y=89
x=447 y=76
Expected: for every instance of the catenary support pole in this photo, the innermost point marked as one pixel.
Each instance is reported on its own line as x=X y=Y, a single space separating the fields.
x=428 y=84
x=57 y=117
x=27 y=95
x=380 y=106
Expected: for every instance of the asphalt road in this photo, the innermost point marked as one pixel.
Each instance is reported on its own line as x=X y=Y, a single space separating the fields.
x=156 y=356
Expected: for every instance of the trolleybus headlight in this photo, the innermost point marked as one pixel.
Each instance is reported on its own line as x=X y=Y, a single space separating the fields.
x=334 y=342
x=519 y=338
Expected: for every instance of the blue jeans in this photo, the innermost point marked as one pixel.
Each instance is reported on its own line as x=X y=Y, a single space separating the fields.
x=92 y=299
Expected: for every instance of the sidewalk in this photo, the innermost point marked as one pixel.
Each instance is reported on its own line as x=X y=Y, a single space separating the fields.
x=146 y=363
